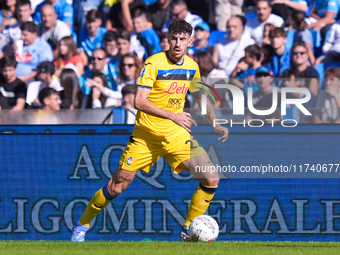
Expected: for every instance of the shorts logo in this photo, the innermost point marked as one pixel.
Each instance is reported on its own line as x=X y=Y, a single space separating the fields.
x=129 y=161
x=174 y=103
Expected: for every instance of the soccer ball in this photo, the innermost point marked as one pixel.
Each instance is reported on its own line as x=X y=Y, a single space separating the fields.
x=203 y=228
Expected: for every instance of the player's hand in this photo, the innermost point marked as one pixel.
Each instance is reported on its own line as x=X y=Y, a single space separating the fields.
x=183 y=119
x=223 y=131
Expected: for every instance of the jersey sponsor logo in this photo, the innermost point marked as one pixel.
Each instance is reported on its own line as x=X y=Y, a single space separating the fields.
x=174 y=103
x=24 y=57
x=176 y=89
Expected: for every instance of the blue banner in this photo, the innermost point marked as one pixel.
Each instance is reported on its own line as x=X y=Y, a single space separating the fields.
x=49 y=173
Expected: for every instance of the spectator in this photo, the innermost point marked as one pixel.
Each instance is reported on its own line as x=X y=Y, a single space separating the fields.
x=164 y=41
x=263 y=98
x=245 y=74
x=255 y=26
x=101 y=96
x=159 y=13
x=266 y=30
x=51 y=29
x=81 y=8
x=202 y=33
x=119 y=17
x=281 y=54
x=211 y=75
x=331 y=47
x=323 y=15
x=112 y=52
x=224 y=10
x=230 y=49
x=91 y=38
x=129 y=70
x=129 y=93
x=8 y=14
x=99 y=64
x=12 y=90
x=50 y=99
x=45 y=78
x=328 y=101
x=293 y=79
x=68 y=57
x=24 y=14
x=299 y=62
x=180 y=10
x=124 y=42
x=147 y=36
x=34 y=51
x=63 y=10
x=302 y=33
x=71 y=95
x=286 y=9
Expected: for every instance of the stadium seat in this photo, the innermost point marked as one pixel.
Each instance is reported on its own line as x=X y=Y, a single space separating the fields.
x=119 y=115
x=215 y=36
x=290 y=38
x=321 y=68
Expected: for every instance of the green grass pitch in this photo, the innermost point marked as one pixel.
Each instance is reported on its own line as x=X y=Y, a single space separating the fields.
x=171 y=248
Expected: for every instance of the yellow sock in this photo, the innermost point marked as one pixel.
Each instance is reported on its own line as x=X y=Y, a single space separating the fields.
x=97 y=203
x=199 y=202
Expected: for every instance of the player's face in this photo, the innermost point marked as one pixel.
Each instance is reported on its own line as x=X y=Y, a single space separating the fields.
x=8 y=73
x=263 y=10
x=178 y=45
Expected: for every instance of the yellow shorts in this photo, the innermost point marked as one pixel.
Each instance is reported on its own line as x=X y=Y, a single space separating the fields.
x=141 y=153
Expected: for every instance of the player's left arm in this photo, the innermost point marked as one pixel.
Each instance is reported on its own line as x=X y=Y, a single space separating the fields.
x=211 y=116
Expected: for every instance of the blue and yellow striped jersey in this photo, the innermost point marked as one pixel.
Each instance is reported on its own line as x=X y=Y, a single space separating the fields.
x=169 y=82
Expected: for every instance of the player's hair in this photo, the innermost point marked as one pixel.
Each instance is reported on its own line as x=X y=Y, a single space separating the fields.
x=180 y=26
x=129 y=89
x=110 y=36
x=30 y=26
x=45 y=93
x=24 y=2
x=254 y=51
x=277 y=32
x=205 y=62
x=332 y=71
x=92 y=16
x=8 y=61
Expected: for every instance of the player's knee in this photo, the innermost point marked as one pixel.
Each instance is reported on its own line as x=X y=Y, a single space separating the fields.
x=213 y=181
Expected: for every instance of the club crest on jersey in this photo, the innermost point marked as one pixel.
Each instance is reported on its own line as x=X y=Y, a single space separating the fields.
x=129 y=161
x=176 y=89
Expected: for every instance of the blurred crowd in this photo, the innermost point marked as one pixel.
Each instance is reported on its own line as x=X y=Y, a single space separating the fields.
x=86 y=54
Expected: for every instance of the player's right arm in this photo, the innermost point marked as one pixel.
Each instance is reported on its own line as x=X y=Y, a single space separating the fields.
x=143 y=104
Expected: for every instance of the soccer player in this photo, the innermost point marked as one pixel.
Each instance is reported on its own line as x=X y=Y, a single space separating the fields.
x=162 y=129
